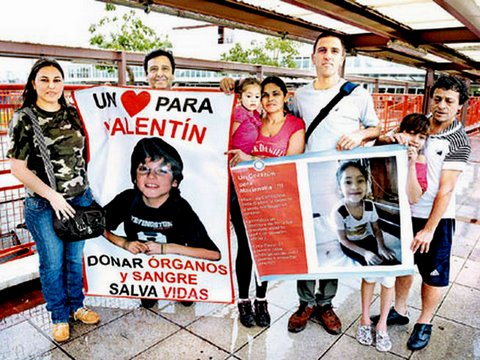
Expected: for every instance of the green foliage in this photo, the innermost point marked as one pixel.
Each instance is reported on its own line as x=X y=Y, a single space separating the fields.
x=274 y=52
x=125 y=32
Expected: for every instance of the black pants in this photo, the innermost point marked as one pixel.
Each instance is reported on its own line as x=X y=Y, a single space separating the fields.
x=244 y=262
x=370 y=244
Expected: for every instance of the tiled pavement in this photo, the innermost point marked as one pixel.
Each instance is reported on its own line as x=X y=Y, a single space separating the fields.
x=212 y=331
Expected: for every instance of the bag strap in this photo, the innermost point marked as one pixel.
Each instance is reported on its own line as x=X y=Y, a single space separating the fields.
x=42 y=145
x=345 y=90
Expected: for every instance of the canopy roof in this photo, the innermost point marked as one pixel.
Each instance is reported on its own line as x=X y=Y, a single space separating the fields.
x=442 y=35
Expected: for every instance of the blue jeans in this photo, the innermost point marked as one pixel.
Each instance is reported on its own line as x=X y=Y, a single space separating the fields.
x=61 y=272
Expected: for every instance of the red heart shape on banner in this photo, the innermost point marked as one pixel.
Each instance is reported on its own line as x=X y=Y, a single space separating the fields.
x=134 y=103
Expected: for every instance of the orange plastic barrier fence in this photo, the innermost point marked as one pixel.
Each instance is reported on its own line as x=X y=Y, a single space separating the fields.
x=10 y=100
x=473 y=112
x=391 y=108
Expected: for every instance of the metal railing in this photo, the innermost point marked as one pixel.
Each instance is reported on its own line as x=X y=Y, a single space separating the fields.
x=392 y=108
x=15 y=240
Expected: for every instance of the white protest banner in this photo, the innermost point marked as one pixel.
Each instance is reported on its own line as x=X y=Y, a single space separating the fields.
x=295 y=212
x=196 y=124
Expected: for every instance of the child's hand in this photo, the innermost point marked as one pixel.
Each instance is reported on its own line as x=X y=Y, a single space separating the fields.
x=237 y=156
x=372 y=259
x=412 y=153
x=154 y=248
x=386 y=253
x=135 y=247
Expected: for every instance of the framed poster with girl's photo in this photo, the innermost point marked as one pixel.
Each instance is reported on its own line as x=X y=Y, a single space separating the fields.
x=328 y=215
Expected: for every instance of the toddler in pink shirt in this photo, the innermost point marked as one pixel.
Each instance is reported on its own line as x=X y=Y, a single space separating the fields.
x=246 y=117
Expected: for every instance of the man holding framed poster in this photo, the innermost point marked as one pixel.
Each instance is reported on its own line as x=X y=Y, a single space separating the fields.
x=447 y=151
x=349 y=120
x=340 y=129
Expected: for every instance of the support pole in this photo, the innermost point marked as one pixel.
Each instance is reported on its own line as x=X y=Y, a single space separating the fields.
x=429 y=79
x=463 y=112
x=122 y=69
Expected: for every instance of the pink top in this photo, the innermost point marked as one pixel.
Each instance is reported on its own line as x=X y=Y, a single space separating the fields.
x=246 y=134
x=421 y=169
x=277 y=145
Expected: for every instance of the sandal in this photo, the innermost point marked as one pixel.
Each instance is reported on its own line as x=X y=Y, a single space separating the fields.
x=364 y=335
x=382 y=341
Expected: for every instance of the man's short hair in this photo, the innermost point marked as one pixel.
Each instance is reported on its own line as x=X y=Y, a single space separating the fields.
x=325 y=34
x=454 y=83
x=156 y=53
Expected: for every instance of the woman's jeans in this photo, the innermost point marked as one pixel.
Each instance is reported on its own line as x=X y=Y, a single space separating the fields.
x=61 y=273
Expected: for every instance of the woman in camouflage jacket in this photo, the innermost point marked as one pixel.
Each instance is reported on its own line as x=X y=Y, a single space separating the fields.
x=60 y=262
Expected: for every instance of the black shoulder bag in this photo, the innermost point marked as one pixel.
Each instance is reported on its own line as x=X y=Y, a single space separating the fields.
x=88 y=222
x=345 y=90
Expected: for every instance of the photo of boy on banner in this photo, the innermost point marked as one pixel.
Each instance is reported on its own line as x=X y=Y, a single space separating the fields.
x=159 y=244
x=156 y=218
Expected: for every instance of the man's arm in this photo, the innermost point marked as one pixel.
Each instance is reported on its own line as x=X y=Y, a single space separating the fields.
x=448 y=181
x=227 y=85
x=350 y=141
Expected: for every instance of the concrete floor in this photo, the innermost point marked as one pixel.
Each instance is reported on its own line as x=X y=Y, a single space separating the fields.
x=212 y=331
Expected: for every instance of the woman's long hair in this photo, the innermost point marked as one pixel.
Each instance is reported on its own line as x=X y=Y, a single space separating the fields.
x=29 y=93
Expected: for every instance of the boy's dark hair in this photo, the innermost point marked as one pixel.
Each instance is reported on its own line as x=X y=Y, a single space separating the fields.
x=451 y=83
x=156 y=149
x=241 y=85
x=325 y=34
x=156 y=53
x=29 y=93
x=415 y=123
x=350 y=163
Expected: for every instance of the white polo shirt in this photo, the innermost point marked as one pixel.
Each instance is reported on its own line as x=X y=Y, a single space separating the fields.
x=346 y=116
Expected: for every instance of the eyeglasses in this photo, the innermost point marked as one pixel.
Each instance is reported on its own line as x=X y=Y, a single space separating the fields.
x=159 y=171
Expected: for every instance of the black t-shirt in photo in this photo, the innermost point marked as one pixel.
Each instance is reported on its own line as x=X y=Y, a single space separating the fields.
x=173 y=222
